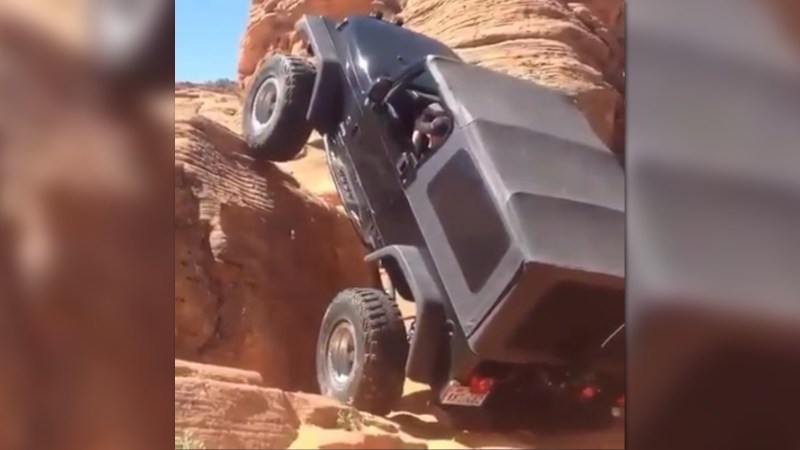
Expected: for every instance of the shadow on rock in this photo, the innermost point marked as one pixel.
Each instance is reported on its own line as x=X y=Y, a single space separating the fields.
x=520 y=428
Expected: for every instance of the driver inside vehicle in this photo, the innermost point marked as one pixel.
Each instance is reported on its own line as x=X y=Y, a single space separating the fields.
x=431 y=128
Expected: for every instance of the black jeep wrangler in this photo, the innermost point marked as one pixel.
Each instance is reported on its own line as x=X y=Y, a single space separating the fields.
x=487 y=200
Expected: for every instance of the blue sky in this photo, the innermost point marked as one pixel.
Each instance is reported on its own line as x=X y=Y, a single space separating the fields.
x=207 y=34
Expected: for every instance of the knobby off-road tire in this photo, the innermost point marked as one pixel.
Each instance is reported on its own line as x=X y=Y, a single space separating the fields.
x=274 y=118
x=374 y=381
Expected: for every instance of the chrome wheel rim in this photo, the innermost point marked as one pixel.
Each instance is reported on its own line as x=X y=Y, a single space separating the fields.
x=341 y=354
x=265 y=104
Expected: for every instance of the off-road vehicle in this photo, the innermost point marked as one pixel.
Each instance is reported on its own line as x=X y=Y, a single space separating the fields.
x=488 y=201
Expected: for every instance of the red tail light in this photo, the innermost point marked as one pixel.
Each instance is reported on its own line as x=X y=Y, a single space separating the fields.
x=588 y=393
x=480 y=385
x=621 y=401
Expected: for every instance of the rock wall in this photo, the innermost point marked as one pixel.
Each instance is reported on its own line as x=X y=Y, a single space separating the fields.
x=257 y=259
x=576 y=47
x=568 y=46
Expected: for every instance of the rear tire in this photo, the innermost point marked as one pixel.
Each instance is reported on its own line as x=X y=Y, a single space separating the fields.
x=274 y=120
x=371 y=378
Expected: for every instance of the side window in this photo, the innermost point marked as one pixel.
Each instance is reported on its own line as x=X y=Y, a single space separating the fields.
x=413 y=120
x=419 y=119
x=400 y=113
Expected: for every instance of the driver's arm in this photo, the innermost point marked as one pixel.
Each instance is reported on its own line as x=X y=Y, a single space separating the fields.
x=430 y=127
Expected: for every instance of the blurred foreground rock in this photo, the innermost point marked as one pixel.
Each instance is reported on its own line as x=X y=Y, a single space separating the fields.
x=86 y=218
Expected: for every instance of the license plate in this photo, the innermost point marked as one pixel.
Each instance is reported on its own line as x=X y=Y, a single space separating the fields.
x=461 y=396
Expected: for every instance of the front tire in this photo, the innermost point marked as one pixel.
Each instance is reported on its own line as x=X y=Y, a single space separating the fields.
x=274 y=120
x=362 y=351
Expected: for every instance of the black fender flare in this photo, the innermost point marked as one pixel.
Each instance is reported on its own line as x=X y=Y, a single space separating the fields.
x=324 y=111
x=431 y=315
